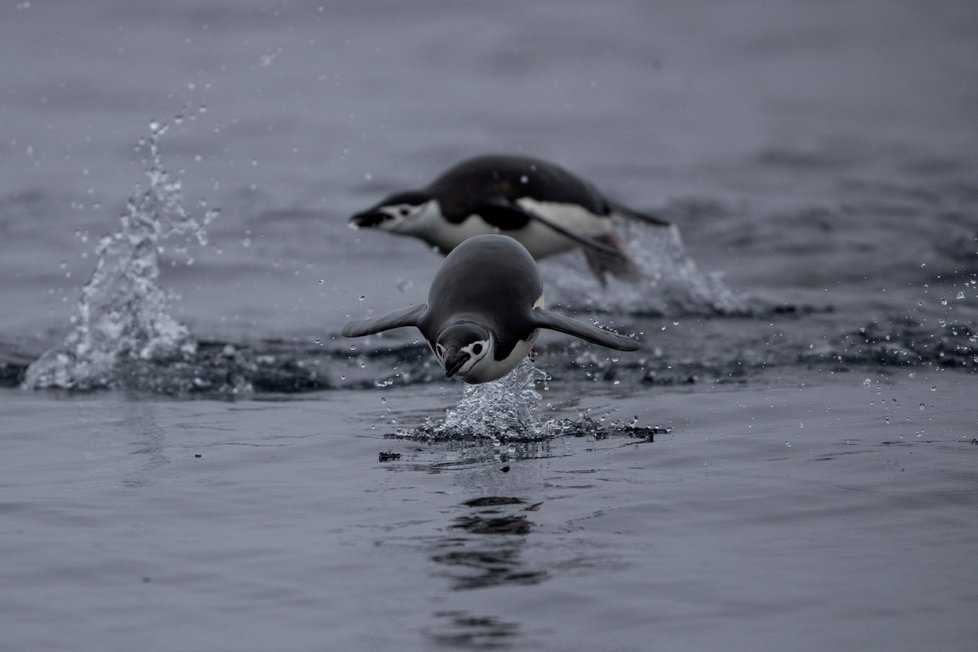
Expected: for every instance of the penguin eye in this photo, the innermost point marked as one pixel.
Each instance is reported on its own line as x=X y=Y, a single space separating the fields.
x=477 y=348
x=404 y=211
x=440 y=350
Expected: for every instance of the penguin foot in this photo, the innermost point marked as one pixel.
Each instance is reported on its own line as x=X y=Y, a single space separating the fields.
x=615 y=261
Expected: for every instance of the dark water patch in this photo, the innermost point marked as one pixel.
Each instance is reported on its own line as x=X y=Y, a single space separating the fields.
x=490 y=524
x=14 y=360
x=489 y=551
x=816 y=159
x=461 y=629
x=902 y=341
x=493 y=501
x=702 y=351
x=583 y=426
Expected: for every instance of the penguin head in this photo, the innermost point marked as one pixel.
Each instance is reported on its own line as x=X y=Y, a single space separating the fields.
x=462 y=347
x=401 y=212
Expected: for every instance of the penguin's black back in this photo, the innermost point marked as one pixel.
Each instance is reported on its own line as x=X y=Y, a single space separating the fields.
x=488 y=279
x=485 y=179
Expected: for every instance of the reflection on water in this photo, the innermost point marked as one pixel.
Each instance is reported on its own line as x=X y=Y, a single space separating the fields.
x=462 y=629
x=498 y=527
x=489 y=554
x=141 y=421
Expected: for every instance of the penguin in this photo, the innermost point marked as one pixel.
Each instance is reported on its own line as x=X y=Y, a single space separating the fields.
x=484 y=311
x=548 y=209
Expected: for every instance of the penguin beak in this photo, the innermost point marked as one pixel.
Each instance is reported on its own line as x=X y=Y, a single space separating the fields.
x=454 y=359
x=368 y=219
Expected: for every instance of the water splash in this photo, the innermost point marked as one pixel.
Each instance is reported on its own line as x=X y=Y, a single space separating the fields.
x=123 y=313
x=509 y=410
x=670 y=283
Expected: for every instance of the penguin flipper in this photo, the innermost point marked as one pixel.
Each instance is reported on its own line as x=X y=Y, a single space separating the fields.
x=502 y=214
x=410 y=316
x=624 y=211
x=552 y=321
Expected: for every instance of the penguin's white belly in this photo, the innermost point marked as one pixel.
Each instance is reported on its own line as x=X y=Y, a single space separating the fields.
x=499 y=368
x=539 y=239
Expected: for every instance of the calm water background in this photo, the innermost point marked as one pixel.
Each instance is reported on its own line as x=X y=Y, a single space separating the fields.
x=817 y=489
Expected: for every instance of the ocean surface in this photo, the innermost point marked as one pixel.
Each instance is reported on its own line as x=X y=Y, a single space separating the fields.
x=191 y=458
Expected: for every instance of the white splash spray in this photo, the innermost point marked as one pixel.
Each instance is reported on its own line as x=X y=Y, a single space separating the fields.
x=670 y=283
x=123 y=313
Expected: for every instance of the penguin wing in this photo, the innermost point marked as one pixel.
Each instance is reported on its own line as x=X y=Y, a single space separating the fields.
x=410 y=316
x=550 y=320
x=506 y=215
x=624 y=211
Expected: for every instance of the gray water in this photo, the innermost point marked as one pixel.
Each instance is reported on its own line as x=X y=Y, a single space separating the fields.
x=191 y=458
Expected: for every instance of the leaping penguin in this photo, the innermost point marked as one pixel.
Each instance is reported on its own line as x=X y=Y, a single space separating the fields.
x=485 y=307
x=548 y=209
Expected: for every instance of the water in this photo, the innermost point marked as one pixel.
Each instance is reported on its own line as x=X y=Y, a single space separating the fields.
x=123 y=313
x=788 y=461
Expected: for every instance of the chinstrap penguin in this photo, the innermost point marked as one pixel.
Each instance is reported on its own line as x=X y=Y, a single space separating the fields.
x=484 y=310
x=548 y=209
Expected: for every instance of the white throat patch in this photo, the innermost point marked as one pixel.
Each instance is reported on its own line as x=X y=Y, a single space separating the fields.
x=422 y=219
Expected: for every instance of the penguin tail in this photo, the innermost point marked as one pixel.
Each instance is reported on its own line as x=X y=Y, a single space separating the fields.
x=612 y=260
